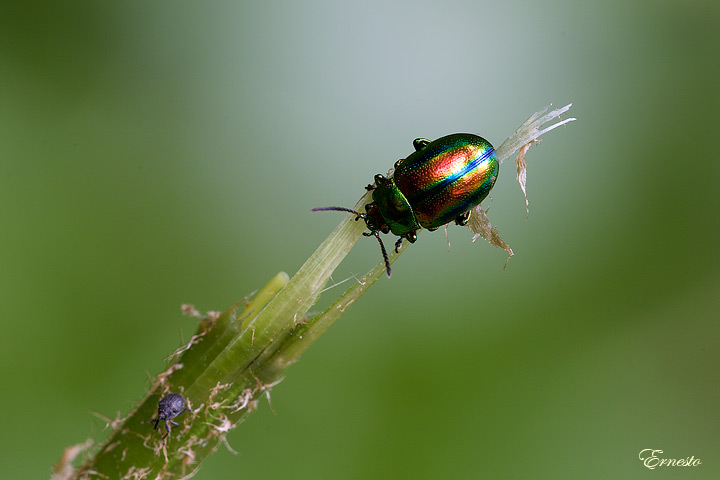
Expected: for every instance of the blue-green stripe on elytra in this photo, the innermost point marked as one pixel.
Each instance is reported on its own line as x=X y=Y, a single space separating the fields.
x=443 y=183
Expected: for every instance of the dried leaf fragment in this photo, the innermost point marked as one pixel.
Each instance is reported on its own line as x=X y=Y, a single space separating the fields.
x=480 y=225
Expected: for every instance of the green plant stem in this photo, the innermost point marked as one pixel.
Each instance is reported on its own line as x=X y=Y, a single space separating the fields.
x=229 y=363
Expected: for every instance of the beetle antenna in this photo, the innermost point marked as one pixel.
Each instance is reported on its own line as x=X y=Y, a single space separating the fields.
x=337 y=209
x=384 y=252
x=374 y=232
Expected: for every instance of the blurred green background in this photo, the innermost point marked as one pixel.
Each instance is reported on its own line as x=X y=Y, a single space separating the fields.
x=154 y=154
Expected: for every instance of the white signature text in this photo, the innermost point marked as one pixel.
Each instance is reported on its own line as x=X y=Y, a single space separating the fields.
x=650 y=459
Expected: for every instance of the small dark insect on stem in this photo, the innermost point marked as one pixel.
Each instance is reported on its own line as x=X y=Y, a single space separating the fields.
x=169 y=407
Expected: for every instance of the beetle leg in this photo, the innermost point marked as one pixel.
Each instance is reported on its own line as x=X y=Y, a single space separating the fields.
x=420 y=143
x=174 y=423
x=370 y=187
x=462 y=219
x=398 y=244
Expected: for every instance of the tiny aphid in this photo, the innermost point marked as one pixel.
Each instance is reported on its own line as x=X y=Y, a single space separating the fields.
x=169 y=407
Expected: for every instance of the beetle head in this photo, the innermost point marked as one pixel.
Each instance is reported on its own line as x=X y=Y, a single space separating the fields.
x=374 y=222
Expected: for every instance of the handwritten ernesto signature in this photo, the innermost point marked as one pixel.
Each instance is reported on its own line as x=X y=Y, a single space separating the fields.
x=650 y=459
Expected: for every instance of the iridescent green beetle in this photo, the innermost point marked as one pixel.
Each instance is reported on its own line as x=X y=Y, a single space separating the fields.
x=438 y=183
